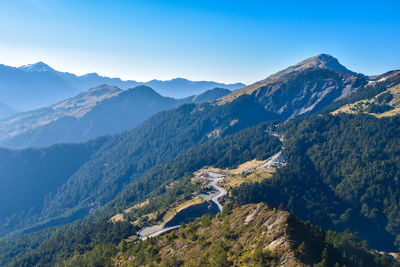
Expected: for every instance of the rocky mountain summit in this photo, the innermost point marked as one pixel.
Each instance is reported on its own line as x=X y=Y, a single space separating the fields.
x=306 y=87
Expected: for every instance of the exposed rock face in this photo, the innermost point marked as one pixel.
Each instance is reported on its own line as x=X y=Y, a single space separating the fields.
x=306 y=92
x=306 y=87
x=250 y=235
x=324 y=61
x=247 y=229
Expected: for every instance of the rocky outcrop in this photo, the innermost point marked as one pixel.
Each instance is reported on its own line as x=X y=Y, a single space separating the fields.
x=308 y=91
x=304 y=88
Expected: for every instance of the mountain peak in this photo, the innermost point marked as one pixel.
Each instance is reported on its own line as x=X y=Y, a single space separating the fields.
x=91 y=75
x=143 y=90
x=320 y=60
x=324 y=61
x=325 y=57
x=37 y=67
x=102 y=90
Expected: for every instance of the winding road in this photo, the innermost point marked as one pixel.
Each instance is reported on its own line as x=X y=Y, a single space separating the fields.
x=216 y=177
x=156 y=230
x=162 y=231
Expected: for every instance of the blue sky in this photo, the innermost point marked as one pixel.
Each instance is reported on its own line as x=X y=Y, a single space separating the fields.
x=226 y=41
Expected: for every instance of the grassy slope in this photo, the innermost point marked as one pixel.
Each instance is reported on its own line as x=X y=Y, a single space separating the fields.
x=364 y=106
x=250 y=235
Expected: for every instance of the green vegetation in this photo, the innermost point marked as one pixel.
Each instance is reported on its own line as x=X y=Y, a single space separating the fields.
x=228 y=151
x=27 y=176
x=125 y=158
x=63 y=183
x=367 y=91
x=370 y=107
x=308 y=91
x=65 y=245
x=251 y=235
x=343 y=172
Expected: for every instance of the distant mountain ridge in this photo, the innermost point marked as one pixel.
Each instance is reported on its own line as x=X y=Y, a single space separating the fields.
x=305 y=88
x=173 y=87
x=209 y=95
x=102 y=110
x=37 y=85
x=121 y=159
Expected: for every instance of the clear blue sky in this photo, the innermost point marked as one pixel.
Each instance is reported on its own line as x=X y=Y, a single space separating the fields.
x=227 y=41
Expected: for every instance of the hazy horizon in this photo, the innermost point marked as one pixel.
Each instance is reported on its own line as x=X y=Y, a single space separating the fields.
x=224 y=41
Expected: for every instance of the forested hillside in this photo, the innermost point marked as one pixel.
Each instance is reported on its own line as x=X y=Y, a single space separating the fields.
x=103 y=110
x=343 y=172
x=251 y=235
x=381 y=84
x=228 y=151
x=339 y=171
x=120 y=160
x=27 y=176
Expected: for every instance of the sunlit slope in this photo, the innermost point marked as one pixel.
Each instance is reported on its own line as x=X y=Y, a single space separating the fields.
x=384 y=104
x=306 y=88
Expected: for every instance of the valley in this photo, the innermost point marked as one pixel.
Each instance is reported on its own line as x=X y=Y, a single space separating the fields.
x=102 y=110
x=203 y=174
x=213 y=189
x=199 y=133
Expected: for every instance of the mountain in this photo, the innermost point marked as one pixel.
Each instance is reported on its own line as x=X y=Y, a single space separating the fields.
x=380 y=98
x=38 y=67
x=38 y=85
x=30 y=87
x=306 y=88
x=250 y=235
x=341 y=174
x=180 y=87
x=100 y=111
x=336 y=171
x=208 y=95
x=308 y=91
x=323 y=61
x=29 y=175
x=6 y=111
x=118 y=162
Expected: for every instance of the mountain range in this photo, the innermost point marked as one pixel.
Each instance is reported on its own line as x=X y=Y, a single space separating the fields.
x=103 y=110
x=306 y=157
x=38 y=85
x=304 y=88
